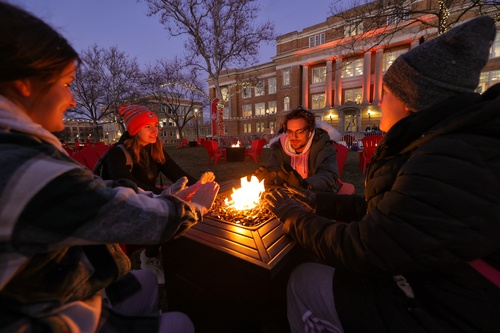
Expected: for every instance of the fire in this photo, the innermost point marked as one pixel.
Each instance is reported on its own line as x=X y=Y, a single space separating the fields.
x=247 y=196
x=237 y=144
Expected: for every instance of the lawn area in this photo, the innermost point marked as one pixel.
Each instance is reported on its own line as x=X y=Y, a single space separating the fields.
x=194 y=160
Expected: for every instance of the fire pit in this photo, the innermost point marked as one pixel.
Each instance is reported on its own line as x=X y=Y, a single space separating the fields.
x=229 y=272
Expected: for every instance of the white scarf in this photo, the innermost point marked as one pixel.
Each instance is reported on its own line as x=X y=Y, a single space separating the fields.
x=299 y=161
x=13 y=118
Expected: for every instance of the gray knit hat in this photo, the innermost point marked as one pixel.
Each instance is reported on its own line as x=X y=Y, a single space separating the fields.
x=442 y=67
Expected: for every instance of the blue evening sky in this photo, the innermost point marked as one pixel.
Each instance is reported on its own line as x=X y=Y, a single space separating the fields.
x=123 y=23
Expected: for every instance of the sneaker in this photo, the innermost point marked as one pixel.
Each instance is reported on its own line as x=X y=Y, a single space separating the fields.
x=154 y=265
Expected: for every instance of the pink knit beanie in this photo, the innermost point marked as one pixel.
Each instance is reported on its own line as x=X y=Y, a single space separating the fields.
x=136 y=117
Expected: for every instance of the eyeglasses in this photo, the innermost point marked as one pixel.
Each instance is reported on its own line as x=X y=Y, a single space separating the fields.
x=297 y=132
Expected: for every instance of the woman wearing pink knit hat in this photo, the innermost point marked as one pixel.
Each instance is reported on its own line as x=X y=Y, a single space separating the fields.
x=147 y=159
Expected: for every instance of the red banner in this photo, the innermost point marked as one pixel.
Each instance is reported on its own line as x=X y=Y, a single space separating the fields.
x=213 y=116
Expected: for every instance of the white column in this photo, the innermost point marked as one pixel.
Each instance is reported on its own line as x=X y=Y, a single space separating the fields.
x=338 y=82
x=305 y=86
x=329 y=83
x=379 y=65
x=367 y=71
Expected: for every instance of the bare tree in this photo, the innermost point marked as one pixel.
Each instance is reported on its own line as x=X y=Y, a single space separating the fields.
x=371 y=23
x=106 y=79
x=178 y=90
x=221 y=33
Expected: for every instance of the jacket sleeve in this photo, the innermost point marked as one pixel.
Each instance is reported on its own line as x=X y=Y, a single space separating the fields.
x=78 y=208
x=341 y=207
x=431 y=218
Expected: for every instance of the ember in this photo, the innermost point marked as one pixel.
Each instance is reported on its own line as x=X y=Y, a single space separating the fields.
x=248 y=218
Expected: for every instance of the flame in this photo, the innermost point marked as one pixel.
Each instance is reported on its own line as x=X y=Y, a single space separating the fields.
x=247 y=196
x=237 y=144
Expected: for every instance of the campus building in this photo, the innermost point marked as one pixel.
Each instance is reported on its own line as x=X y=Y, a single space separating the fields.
x=322 y=69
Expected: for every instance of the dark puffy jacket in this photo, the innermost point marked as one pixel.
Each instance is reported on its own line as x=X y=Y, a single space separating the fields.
x=432 y=205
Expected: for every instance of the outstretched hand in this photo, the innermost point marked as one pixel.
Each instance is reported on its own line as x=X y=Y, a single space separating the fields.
x=176 y=187
x=291 y=176
x=263 y=173
x=306 y=197
x=205 y=195
x=281 y=204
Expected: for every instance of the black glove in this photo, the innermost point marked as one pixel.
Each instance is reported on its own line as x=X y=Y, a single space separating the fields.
x=306 y=197
x=291 y=176
x=264 y=173
x=282 y=204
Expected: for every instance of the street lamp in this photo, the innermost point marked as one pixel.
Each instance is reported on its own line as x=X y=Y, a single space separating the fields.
x=196 y=123
x=369 y=114
x=331 y=119
x=267 y=114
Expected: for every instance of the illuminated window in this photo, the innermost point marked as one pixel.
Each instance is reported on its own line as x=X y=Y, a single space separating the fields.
x=353 y=68
x=319 y=74
x=271 y=106
x=390 y=56
x=259 y=89
x=247 y=128
x=353 y=95
x=260 y=109
x=259 y=127
x=286 y=74
x=286 y=103
x=271 y=86
x=225 y=93
x=495 y=48
x=247 y=110
x=318 y=101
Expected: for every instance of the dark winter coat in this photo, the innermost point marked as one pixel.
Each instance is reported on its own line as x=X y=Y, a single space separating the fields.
x=432 y=205
x=145 y=172
x=323 y=169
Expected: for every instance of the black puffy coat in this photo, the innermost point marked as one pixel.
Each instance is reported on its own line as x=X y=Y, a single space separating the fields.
x=432 y=205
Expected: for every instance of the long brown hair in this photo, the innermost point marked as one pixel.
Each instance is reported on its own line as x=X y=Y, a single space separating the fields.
x=156 y=149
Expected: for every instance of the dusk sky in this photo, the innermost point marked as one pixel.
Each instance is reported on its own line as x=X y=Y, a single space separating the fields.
x=123 y=23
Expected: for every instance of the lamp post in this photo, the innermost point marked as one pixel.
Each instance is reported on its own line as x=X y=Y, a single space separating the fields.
x=331 y=119
x=196 y=123
x=369 y=114
x=267 y=114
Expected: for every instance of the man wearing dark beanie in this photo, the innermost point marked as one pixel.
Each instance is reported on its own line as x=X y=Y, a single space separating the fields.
x=421 y=249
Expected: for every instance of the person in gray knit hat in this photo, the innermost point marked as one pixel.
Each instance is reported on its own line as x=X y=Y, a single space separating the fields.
x=420 y=251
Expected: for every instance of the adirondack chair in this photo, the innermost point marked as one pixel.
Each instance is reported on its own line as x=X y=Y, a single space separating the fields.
x=255 y=151
x=212 y=148
x=90 y=155
x=370 y=144
x=342 y=151
x=183 y=143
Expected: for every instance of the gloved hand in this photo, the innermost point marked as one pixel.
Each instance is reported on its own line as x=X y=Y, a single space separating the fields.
x=176 y=187
x=306 y=197
x=205 y=195
x=282 y=204
x=263 y=173
x=291 y=176
x=207 y=177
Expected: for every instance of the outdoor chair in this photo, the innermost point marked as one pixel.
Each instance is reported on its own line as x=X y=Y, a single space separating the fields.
x=342 y=151
x=89 y=156
x=370 y=144
x=212 y=148
x=183 y=143
x=255 y=151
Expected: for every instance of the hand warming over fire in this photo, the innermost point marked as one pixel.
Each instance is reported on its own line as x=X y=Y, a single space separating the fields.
x=291 y=176
x=282 y=205
x=306 y=197
x=179 y=185
x=207 y=177
x=263 y=173
x=205 y=195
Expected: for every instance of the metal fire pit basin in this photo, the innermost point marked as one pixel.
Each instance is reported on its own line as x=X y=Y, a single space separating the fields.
x=263 y=245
